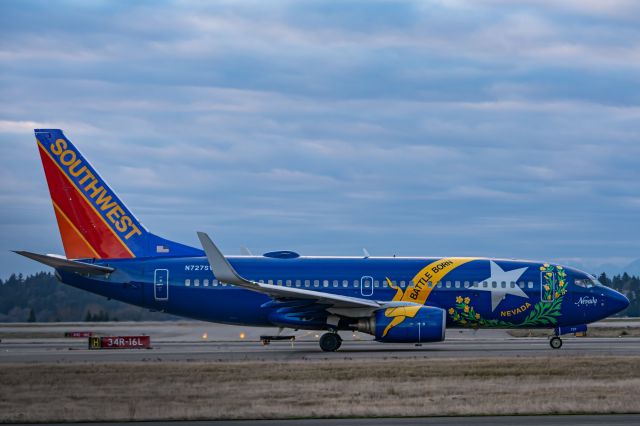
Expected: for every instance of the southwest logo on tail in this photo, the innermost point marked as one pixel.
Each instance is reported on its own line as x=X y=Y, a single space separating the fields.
x=93 y=221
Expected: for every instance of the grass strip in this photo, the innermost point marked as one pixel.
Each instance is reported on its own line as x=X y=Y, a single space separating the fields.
x=301 y=389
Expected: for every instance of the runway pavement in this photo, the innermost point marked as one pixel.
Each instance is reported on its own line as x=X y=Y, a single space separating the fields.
x=197 y=341
x=209 y=342
x=609 y=419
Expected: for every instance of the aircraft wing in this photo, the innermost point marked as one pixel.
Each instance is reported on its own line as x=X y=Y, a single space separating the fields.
x=226 y=273
x=66 y=264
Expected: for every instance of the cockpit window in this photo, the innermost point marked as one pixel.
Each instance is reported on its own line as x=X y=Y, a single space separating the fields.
x=583 y=283
x=587 y=282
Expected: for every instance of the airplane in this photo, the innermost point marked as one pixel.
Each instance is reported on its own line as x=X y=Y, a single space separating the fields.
x=395 y=299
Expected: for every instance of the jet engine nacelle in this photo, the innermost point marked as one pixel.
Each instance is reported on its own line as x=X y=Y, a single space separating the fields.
x=427 y=325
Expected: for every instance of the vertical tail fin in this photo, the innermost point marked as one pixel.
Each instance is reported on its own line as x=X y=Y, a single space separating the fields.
x=93 y=221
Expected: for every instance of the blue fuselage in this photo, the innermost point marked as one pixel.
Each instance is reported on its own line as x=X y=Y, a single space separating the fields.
x=540 y=295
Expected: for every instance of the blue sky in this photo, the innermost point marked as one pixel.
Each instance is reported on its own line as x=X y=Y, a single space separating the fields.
x=488 y=128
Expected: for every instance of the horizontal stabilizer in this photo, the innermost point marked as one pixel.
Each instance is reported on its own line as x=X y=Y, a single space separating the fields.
x=66 y=264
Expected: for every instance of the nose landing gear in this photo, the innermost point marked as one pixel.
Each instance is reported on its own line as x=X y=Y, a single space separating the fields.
x=555 y=342
x=330 y=342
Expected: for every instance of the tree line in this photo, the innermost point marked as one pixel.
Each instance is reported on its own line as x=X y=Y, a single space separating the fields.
x=629 y=285
x=41 y=297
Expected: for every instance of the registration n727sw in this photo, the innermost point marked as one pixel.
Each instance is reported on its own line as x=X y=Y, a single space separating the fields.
x=409 y=300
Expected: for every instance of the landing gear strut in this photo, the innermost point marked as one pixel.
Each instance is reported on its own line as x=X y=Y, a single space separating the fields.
x=555 y=342
x=330 y=342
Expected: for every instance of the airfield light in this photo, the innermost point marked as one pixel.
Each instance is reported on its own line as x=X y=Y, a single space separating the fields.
x=205 y=335
x=242 y=335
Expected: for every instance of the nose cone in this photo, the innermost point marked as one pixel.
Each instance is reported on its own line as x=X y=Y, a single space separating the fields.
x=616 y=302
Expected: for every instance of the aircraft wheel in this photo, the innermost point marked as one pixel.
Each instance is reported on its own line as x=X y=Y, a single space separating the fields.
x=330 y=342
x=555 y=342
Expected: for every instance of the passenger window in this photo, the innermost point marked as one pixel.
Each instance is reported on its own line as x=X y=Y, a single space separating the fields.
x=316 y=283
x=270 y=281
x=196 y=283
x=457 y=284
x=325 y=283
x=335 y=283
x=307 y=283
x=298 y=282
x=345 y=283
x=356 y=283
x=521 y=284
x=402 y=284
x=187 y=282
x=376 y=283
x=288 y=283
x=279 y=282
x=530 y=284
x=439 y=285
x=503 y=284
x=485 y=284
x=206 y=283
x=214 y=283
x=448 y=284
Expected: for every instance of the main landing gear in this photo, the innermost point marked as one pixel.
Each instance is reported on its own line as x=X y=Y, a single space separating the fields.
x=330 y=342
x=555 y=342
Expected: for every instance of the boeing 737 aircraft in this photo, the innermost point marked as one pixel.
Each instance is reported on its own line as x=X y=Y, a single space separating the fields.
x=109 y=252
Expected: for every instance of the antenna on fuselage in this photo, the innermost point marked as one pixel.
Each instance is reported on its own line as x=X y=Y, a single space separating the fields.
x=245 y=251
x=366 y=253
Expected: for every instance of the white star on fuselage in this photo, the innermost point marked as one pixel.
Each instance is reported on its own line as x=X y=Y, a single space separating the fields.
x=498 y=275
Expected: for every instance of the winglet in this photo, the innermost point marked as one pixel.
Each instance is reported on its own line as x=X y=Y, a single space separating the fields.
x=221 y=267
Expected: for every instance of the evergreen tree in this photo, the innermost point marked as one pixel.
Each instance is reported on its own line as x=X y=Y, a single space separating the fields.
x=32 y=316
x=604 y=280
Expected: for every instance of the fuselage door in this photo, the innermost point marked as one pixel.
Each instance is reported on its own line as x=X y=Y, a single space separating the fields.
x=548 y=286
x=366 y=285
x=161 y=284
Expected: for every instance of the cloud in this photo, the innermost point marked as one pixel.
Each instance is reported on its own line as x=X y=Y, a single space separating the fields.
x=422 y=127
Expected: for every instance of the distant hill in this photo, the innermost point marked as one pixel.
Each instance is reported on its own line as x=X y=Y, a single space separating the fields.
x=42 y=298
x=633 y=268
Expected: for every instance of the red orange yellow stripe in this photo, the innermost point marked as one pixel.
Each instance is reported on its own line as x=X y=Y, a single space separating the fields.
x=44 y=150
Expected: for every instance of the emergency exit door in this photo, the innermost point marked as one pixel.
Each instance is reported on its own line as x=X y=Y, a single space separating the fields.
x=161 y=284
